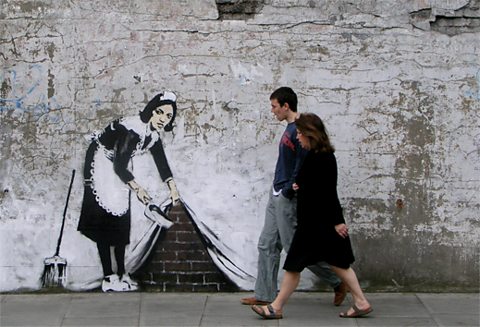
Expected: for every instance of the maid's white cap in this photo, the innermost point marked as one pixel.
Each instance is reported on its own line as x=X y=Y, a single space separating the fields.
x=170 y=96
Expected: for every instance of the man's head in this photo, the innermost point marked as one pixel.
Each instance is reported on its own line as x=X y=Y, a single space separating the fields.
x=285 y=95
x=284 y=104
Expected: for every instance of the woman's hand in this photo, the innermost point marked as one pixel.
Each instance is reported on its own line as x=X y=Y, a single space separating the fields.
x=173 y=191
x=342 y=230
x=295 y=187
x=142 y=195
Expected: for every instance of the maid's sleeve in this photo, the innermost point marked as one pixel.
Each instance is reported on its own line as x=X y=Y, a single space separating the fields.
x=161 y=160
x=125 y=143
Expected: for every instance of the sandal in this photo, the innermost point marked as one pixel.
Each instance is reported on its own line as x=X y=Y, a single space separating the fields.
x=272 y=314
x=357 y=313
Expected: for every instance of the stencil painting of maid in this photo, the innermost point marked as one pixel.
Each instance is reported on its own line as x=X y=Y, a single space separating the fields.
x=110 y=188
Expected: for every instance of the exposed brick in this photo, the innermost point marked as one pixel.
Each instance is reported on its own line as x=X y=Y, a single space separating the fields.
x=238 y=9
x=170 y=236
x=168 y=246
x=165 y=256
x=186 y=236
x=175 y=266
x=184 y=227
x=203 y=266
x=157 y=265
x=181 y=263
x=191 y=255
x=213 y=278
x=191 y=278
x=177 y=211
x=166 y=277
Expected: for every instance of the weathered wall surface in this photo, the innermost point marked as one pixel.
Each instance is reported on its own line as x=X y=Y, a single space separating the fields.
x=397 y=83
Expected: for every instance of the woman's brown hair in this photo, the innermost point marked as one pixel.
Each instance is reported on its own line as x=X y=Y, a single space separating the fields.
x=312 y=127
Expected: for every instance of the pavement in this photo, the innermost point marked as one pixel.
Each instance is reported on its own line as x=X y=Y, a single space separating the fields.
x=224 y=309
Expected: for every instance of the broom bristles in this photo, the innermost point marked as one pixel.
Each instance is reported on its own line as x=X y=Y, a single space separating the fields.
x=54 y=272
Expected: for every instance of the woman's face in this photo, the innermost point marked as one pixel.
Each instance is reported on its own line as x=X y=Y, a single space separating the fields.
x=304 y=141
x=161 y=117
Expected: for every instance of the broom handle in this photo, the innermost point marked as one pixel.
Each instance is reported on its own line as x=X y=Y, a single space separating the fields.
x=65 y=214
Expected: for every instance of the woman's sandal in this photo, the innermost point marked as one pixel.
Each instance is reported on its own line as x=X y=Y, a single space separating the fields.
x=272 y=314
x=356 y=312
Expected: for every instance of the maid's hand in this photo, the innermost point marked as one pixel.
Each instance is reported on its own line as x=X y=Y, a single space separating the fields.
x=142 y=195
x=173 y=191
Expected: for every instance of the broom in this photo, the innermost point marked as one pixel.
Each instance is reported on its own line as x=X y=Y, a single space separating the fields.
x=55 y=268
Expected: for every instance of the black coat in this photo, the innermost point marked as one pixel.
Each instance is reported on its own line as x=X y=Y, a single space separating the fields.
x=318 y=211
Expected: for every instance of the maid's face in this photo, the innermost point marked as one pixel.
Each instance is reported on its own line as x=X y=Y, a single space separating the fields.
x=161 y=117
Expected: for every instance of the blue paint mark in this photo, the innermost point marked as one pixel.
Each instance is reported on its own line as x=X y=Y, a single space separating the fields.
x=475 y=94
x=17 y=102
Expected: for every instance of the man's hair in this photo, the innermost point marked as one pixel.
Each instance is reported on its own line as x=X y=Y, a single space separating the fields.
x=312 y=127
x=285 y=95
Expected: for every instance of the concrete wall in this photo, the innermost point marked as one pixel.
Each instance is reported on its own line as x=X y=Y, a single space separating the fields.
x=396 y=82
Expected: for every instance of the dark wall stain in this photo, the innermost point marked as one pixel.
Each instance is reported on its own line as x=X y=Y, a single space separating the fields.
x=456 y=25
x=414 y=122
x=462 y=20
x=5 y=90
x=50 y=50
x=238 y=9
x=398 y=266
x=51 y=85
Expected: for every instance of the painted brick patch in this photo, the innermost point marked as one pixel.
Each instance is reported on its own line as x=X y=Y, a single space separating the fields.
x=180 y=261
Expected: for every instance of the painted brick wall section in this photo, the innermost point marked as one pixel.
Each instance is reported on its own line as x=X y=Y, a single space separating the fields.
x=180 y=261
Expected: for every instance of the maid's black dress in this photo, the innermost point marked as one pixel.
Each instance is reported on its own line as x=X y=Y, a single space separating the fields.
x=105 y=213
x=318 y=211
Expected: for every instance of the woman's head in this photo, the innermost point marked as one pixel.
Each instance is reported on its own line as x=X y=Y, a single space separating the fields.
x=312 y=134
x=163 y=109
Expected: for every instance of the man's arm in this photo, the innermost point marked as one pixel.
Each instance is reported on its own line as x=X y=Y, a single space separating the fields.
x=300 y=154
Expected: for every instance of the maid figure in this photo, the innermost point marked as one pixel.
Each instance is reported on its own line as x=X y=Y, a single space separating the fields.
x=105 y=214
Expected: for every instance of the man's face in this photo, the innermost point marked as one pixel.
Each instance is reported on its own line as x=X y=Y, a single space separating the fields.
x=279 y=111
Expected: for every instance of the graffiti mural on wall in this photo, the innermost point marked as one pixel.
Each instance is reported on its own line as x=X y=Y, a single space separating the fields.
x=105 y=215
x=111 y=186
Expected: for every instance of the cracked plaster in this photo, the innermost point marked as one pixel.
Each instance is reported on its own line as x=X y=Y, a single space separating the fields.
x=400 y=102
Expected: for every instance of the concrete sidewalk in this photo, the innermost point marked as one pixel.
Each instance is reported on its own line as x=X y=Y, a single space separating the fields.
x=224 y=309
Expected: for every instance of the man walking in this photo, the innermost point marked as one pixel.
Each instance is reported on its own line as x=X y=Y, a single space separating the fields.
x=281 y=211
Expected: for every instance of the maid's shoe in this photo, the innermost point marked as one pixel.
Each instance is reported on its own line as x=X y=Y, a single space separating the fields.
x=112 y=283
x=132 y=284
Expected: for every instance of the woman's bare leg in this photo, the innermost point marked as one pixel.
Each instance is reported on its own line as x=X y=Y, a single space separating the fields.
x=289 y=284
x=349 y=277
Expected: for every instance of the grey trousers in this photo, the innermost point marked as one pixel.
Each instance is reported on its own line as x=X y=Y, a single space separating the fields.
x=277 y=234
